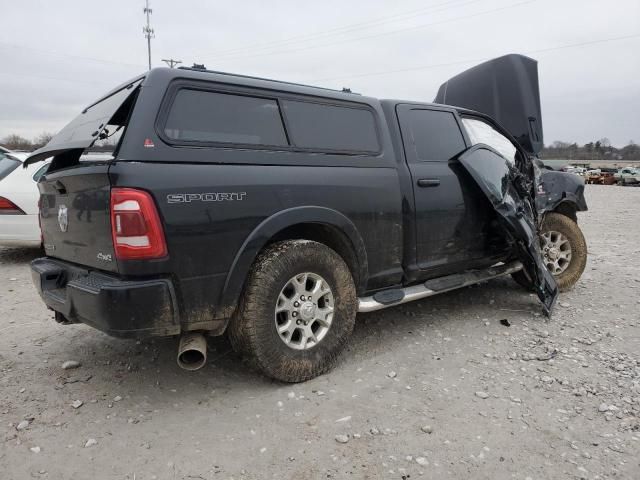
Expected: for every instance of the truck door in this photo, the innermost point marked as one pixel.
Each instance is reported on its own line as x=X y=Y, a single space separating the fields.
x=451 y=218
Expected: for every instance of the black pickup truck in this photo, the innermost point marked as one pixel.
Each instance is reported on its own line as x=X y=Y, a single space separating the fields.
x=275 y=211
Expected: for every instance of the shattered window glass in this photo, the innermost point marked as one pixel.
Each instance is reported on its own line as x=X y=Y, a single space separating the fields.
x=482 y=132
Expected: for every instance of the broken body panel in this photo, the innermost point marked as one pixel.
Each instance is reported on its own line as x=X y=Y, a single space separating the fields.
x=508 y=190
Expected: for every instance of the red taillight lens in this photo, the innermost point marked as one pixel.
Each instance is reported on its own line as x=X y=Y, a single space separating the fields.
x=7 y=207
x=135 y=225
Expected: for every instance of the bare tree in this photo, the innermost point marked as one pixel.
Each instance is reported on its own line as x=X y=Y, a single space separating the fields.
x=42 y=139
x=16 y=142
x=605 y=142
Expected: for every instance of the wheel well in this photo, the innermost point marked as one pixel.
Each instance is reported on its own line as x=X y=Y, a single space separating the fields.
x=328 y=235
x=567 y=209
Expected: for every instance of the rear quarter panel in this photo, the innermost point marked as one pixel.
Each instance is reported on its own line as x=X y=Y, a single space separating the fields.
x=204 y=237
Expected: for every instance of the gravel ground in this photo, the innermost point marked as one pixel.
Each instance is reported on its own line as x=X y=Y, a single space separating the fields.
x=440 y=388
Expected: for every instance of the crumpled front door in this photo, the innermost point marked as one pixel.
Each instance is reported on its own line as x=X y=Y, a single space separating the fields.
x=501 y=182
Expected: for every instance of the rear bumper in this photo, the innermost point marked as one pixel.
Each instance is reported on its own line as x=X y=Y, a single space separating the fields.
x=121 y=308
x=19 y=230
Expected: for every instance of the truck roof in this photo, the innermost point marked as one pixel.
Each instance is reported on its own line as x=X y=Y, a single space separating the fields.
x=269 y=83
x=167 y=74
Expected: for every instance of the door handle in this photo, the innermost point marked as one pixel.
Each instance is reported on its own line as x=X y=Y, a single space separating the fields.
x=428 y=182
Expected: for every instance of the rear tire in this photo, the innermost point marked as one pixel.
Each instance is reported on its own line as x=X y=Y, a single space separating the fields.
x=287 y=338
x=569 y=276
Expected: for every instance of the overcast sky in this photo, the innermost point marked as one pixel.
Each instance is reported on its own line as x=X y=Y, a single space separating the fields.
x=56 y=57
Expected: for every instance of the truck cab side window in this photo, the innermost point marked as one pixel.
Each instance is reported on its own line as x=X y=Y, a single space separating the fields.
x=435 y=135
x=482 y=132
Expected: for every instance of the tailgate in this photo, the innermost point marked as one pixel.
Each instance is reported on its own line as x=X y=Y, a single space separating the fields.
x=74 y=215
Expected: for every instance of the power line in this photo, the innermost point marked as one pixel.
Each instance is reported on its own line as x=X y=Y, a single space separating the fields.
x=392 y=32
x=46 y=77
x=78 y=57
x=99 y=60
x=344 y=29
x=383 y=72
x=477 y=59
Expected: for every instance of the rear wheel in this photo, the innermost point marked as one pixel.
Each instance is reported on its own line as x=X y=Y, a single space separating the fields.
x=564 y=251
x=297 y=311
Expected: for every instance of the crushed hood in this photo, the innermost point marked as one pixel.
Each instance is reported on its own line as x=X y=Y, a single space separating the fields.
x=506 y=89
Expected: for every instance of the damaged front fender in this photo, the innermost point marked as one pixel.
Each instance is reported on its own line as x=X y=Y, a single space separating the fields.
x=511 y=194
x=556 y=188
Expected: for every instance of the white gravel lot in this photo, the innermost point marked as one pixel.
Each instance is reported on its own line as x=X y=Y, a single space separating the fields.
x=434 y=389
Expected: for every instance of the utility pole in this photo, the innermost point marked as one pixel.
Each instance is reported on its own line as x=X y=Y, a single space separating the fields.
x=171 y=62
x=147 y=30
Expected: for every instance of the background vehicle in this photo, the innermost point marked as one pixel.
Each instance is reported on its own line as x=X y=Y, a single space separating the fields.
x=627 y=176
x=593 y=176
x=276 y=211
x=5 y=151
x=19 y=200
x=575 y=170
x=607 y=178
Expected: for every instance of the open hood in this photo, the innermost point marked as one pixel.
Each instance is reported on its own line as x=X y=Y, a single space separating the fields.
x=506 y=89
x=86 y=128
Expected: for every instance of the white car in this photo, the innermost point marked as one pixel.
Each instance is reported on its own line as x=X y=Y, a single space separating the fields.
x=19 y=200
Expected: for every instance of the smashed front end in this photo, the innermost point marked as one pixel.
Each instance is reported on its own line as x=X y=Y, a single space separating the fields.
x=506 y=89
x=511 y=190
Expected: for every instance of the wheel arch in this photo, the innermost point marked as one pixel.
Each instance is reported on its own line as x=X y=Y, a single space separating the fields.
x=320 y=224
x=567 y=208
x=561 y=193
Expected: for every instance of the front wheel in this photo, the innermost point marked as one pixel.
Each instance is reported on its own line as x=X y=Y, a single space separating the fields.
x=297 y=311
x=564 y=251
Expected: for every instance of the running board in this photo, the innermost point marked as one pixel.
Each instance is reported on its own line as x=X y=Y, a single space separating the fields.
x=398 y=296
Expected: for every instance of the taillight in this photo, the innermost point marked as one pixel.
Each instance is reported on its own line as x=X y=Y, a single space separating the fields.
x=40 y=219
x=135 y=225
x=7 y=207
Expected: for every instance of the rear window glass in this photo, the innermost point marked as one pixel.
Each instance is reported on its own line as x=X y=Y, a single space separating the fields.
x=435 y=135
x=202 y=116
x=87 y=127
x=331 y=128
x=7 y=165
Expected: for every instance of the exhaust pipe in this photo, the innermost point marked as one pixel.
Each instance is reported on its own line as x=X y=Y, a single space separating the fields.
x=192 y=351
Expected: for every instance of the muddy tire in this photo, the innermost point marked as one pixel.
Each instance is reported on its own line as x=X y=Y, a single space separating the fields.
x=569 y=272
x=297 y=311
